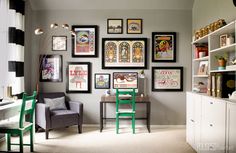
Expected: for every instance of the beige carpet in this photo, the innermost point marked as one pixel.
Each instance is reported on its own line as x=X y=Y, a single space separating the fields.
x=166 y=140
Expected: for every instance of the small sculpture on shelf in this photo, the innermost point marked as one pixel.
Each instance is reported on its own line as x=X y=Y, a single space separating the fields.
x=222 y=60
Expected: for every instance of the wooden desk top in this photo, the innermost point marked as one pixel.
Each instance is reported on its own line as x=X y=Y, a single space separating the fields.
x=112 y=98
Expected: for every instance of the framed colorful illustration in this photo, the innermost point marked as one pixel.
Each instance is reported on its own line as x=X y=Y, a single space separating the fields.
x=59 y=43
x=134 y=26
x=84 y=43
x=114 y=26
x=124 y=53
x=125 y=80
x=163 y=47
x=203 y=68
x=102 y=81
x=50 y=68
x=167 y=78
x=78 y=77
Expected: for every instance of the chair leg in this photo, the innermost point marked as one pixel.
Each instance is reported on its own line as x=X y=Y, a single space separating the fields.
x=8 y=142
x=117 y=124
x=46 y=133
x=21 y=141
x=31 y=140
x=133 y=123
x=80 y=128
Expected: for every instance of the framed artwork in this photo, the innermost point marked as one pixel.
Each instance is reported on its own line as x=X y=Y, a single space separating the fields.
x=102 y=81
x=223 y=40
x=78 y=77
x=167 y=78
x=124 y=53
x=134 y=26
x=114 y=26
x=164 y=47
x=203 y=68
x=59 y=43
x=125 y=80
x=84 y=43
x=50 y=68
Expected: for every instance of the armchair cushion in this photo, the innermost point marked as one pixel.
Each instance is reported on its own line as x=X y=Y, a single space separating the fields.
x=55 y=103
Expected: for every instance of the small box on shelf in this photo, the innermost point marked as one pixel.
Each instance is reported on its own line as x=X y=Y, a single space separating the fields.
x=201 y=50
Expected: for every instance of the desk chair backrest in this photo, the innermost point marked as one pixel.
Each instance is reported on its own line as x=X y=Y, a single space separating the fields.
x=123 y=100
x=27 y=109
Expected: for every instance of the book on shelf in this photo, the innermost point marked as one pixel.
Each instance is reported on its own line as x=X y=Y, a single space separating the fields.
x=201 y=48
x=219 y=79
x=213 y=85
x=228 y=84
x=209 y=93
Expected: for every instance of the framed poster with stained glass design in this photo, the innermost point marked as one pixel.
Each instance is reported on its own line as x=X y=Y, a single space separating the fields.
x=124 y=53
x=84 y=43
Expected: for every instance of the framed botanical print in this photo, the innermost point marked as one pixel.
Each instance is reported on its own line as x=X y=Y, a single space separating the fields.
x=59 y=43
x=84 y=43
x=114 y=26
x=167 y=78
x=124 y=53
x=102 y=81
x=50 y=68
x=78 y=77
x=134 y=26
x=163 y=47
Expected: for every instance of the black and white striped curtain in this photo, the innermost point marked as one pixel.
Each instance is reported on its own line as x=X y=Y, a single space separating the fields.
x=12 y=44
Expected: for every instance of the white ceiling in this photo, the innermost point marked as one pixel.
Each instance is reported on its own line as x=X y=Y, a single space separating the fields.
x=111 y=4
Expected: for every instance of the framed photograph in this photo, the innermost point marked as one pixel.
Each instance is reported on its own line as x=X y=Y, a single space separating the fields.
x=124 y=53
x=203 y=68
x=102 y=81
x=167 y=78
x=134 y=26
x=164 y=47
x=223 y=39
x=125 y=80
x=78 y=77
x=50 y=68
x=59 y=43
x=84 y=43
x=114 y=26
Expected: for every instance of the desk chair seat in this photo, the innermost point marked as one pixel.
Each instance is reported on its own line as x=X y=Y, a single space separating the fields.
x=21 y=126
x=125 y=98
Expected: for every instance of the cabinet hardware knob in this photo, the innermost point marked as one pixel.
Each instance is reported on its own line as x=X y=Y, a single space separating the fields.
x=211 y=102
x=211 y=124
x=192 y=120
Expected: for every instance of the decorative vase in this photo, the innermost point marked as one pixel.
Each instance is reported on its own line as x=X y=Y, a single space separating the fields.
x=221 y=64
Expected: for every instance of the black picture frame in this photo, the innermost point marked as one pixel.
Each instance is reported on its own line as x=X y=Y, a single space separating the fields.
x=111 y=29
x=169 y=79
x=112 y=60
x=104 y=84
x=122 y=80
x=86 y=47
x=59 y=43
x=50 y=68
x=167 y=50
x=75 y=77
x=134 y=26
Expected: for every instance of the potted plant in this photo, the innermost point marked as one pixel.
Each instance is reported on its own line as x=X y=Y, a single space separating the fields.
x=221 y=61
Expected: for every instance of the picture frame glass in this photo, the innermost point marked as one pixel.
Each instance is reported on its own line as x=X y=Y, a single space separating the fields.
x=167 y=79
x=164 y=46
x=124 y=53
x=203 y=68
x=84 y=43
x=102 y=81
x=50 y=68
x=125 y=80
x=59 y=43
x=114 y=26
x=134 y=26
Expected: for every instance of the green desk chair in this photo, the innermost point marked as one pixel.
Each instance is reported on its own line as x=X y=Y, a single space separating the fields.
x=125 y=98
x=21 y=126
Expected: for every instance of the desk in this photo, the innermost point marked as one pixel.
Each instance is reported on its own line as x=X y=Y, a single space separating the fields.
x=112 y=99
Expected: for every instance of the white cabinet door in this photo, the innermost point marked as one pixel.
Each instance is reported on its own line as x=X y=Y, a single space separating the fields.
x=197 y=120
x=231 y=129
x=213 y=125
x=190 y=119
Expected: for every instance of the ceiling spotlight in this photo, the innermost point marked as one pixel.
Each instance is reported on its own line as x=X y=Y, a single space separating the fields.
x=65 y=26
x=38 y=31
x=54 y=25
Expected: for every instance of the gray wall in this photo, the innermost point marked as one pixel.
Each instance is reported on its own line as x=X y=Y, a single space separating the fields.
x=168 y=108
x=208 y=11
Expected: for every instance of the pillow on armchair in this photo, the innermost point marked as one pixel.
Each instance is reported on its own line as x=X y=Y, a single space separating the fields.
x=56 y=103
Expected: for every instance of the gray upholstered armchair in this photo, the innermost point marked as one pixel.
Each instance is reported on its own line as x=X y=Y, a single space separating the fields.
x=57 y=118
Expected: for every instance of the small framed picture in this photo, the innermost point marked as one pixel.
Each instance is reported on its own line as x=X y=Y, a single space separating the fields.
x=59 y=43
x=102 y=81
x=114 y=26
x=125 y=80
x=134 y=26
x=203 y=68
x=223 y=40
